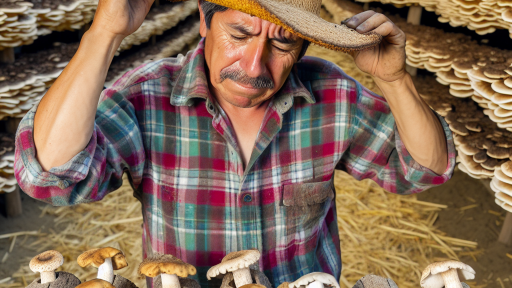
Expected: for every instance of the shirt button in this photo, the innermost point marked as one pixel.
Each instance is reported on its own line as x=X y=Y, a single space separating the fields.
x=247 y=198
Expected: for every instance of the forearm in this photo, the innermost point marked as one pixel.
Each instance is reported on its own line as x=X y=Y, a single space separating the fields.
x=419 y=128
x=64 y=120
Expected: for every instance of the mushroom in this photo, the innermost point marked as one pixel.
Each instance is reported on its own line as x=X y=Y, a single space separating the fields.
x=168 y=267
x=446 y=274
x=105 y=259
x=95 y=283
x=46 y=263
x=238 y=263
x=312 y=280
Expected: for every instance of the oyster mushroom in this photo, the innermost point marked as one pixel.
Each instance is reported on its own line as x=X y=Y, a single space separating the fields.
x=238 y=263
x=105 y=259
x=446 y=274
x=168 y=267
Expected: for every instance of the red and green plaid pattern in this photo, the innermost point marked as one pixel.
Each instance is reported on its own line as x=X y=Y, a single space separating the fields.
x=159 y=124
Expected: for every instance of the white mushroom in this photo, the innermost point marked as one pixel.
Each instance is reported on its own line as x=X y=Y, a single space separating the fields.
x=446 y=274
x=320 y=277
x=238 y=263
x=46 y=263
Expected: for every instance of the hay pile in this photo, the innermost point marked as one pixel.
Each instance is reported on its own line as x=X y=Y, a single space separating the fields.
x=390 y=235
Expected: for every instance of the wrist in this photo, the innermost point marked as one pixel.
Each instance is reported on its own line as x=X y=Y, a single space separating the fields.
x=401 y=84
x=101 y=35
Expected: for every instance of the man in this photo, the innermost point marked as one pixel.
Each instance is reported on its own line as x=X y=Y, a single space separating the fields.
x=234 y=146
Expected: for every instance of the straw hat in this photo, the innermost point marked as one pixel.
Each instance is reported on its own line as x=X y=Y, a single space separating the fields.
x=302 y=18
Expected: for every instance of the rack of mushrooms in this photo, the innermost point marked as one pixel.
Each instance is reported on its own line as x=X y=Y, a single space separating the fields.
x=483 y=17
x=158 y=20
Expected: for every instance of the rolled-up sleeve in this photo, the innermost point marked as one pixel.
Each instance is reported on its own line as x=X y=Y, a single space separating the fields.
x=115 y=147
x=377 y=152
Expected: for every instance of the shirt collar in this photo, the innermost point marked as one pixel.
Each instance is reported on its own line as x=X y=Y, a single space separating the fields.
x=192 y=83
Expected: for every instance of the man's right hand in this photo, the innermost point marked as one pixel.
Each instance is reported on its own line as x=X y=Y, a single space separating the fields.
x=120 y=17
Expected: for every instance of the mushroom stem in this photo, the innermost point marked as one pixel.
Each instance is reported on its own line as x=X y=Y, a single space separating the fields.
x=170 y=281
x=106 y=271
x=242 y=277
x=47 y=277
x=451 y=279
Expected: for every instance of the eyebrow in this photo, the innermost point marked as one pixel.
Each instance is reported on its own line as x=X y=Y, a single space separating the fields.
x=244 y=30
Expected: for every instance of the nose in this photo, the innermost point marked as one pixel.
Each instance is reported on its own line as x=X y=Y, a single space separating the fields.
x=255 y=57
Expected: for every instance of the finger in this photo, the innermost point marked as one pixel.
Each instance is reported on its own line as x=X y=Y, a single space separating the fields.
x=356 y=20
x=372 y=23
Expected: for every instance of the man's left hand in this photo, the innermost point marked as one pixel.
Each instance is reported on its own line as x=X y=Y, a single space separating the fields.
x=385 y=61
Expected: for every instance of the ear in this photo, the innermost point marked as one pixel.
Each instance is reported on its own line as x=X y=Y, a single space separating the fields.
x=202 y=26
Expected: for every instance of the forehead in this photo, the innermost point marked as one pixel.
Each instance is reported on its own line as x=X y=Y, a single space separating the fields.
x=251 y=24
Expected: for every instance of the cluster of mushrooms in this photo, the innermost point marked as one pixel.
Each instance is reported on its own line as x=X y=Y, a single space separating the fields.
x=501 y=184
x=21 y=22
x=235 y=269
x=159 y=19
x=483 y=17
x=17 y=27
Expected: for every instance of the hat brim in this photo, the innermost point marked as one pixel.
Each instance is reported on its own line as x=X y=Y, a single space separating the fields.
x=304 y=24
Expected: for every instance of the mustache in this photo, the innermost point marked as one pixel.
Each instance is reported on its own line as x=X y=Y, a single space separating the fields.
x=238 y=75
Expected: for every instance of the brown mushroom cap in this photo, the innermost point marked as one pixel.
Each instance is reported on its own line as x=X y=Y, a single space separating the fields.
x=96 y=283
x=283 y=285
x=97 y=256
x=165 y=263
x=47 y=261
x=252 y=285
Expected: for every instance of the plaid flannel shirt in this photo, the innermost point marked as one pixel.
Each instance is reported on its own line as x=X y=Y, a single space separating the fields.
x=160 y=124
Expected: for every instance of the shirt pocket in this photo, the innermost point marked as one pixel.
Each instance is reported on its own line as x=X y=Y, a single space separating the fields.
x=305 y=205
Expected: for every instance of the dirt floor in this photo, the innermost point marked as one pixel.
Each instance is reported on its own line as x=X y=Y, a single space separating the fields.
x=478 y=223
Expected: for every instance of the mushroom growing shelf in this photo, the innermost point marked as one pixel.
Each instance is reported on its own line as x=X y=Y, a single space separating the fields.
x=483 y=17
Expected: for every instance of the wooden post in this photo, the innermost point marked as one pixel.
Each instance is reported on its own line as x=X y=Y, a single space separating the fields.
x=506 y=230
x=487 y=185
x=12 y=125
x=7 y=55
x=366 y=6
x=13 y=202
x=414 y=17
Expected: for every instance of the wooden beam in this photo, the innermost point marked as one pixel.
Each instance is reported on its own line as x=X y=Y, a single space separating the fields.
x=7 y=55
x=414 y=17
x=13 y=202
x=12 y=125
x=506 y=230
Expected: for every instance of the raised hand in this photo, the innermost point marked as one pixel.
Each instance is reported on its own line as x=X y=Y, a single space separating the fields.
x=387 y=60
x=120 y=17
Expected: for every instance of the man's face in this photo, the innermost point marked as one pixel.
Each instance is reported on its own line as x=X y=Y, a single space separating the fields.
x=248 y=58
